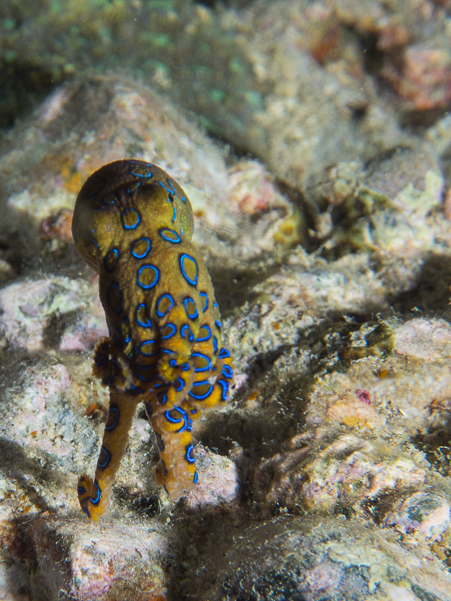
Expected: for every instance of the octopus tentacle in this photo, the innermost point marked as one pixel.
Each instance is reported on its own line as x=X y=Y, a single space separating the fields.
x=93 y=495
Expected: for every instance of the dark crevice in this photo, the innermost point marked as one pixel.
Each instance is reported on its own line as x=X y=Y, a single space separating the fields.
x=431 y=293
x=416 y=121
x=143 y=506
x=373 y=57
x=233 y=286
x=264 y=435
x=21 y=469
x=23 y=87
x=238 y=4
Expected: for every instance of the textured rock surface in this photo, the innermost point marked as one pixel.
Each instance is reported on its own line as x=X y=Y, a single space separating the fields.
x=317 y=559
x=328 y=474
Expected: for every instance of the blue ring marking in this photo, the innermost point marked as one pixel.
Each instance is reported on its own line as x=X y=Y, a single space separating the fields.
x=215 y=345
x=138 y=219
x=85 y=507
x=140 y=376
x=184 y=257
x=97 y=499
x=109 y=199
x=160 y=383
x=224 y=353
x=146 y=252
x=140 y=322
x=162 y=397
x=107 y=382
x=81 y=490
x=185 y=367
x=172 y=187
x=204 y=295
x=175 y=213
x=133 y=187
x=179 y=384
x=114 y=289
x=144 y=344
x=111 y=258
x=188 y=453
x=201 y=397
x=225 y=388
x=153 y=366
x=131 y=354
x=149 y=175
x=155 y=281
x=134 y=391
x=195 y=477
x=162 y=297
x=186 y=333
x=205 y=336
x=169 y=352
x=165 y=235
x=172 y=362
x=100 y=360
x=127 y=328
x=227 y=371
x=202 y=356
x=187 y=300
x=184 y=417
x=107 y=458
x=171 y=333
x=217 y=322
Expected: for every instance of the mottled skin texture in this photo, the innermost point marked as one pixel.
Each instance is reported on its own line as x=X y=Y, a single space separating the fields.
x=133 y=224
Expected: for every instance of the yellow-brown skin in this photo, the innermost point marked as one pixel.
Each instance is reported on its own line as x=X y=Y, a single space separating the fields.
x=133 y=224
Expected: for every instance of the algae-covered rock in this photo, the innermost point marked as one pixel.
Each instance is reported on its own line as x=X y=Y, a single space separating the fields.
x=324 y=218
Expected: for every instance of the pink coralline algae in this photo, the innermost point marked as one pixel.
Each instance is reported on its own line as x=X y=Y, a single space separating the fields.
x=425 y=80
x=106 y=562
x=364 y=396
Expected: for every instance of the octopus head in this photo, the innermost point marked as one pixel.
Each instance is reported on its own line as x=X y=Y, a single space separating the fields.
x=127 y=195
